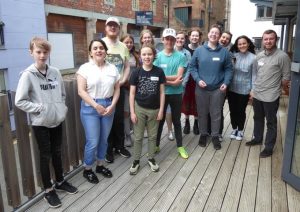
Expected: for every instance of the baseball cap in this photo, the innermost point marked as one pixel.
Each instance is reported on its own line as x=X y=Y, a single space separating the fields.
x=112 y=19
x=169 y=32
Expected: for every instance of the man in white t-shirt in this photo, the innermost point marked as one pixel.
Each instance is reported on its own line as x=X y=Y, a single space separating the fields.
x=118 y=55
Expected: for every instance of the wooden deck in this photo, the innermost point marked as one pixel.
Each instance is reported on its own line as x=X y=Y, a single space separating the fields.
x=231 y=179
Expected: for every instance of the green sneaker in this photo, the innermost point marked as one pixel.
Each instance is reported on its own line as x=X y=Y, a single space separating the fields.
x=157 y=149
x=183 y=153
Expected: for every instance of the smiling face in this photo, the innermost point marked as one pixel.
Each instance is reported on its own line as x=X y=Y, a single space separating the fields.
x=243 y=45
x=97 y=51
x=112 y=30
x=128 y=42
x=195 y=37
x=147 y=56
x=269 y=41
x=180 y=40
x=147 y=38
x=225 y=39
x=169 y=42
x=214 y=35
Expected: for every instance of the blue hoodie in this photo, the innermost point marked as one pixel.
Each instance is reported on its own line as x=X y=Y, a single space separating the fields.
x=213 y=66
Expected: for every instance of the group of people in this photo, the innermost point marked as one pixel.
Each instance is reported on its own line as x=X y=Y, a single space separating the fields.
x=122 y=89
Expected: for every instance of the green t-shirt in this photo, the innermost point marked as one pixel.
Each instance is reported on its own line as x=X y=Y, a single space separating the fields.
x=170 y=64
x=117 y=54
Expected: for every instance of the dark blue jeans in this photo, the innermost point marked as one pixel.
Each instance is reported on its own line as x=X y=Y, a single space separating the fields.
x=175 y=101
x=266 y=110
x=49 y=141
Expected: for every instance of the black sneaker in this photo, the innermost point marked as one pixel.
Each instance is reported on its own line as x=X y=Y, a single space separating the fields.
x=153 y=165
x=67 y=187
x=104 y=171
x=123 y=152
x=202 y=140
x=253 y=142
x=52 y=199
x=90 y=176
x=135 y=167
x=216 y=142
x=187 y=127
x=109 y=158
x=266 y=153
x=196 y=127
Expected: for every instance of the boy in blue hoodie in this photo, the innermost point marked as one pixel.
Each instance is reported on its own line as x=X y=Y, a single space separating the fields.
x=211 y=68
x=41 y=93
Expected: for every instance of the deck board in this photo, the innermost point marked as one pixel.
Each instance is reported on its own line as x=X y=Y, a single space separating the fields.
x=231 y=179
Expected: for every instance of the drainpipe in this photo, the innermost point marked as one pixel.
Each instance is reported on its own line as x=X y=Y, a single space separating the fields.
x=168 y=13
x=286 y=37
x=281 y=37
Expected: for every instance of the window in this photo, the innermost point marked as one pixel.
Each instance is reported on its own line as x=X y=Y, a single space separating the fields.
x=135 y=5
x=264 y=12
x=183 y=15
x=3 y=88
x=110 y=2
x=153 y=6
x=2 y=82
x=166 y=10
x=1 y=33
x=257 y=42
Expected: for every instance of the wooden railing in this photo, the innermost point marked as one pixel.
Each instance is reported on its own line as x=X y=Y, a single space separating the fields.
x=20 y=156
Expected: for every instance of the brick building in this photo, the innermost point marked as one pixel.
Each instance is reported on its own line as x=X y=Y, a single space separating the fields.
x=73 y=23
x=185 y=14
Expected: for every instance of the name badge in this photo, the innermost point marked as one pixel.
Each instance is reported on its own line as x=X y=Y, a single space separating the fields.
x=163 y=65
x=54 y=83
x=261 y=63
x=154 y=78
x=216 y=59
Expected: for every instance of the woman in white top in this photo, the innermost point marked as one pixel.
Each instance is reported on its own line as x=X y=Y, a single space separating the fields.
x=98 y=86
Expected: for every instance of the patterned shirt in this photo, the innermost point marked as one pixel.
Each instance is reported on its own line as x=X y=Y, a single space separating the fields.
x=242 y=73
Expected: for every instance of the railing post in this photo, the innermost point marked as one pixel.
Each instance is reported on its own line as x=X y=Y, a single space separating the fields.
x=8 y=155
x=79 y=128
x=24 y=149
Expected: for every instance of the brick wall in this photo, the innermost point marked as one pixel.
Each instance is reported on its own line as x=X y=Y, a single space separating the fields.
x=77 y=26
x=122 y=8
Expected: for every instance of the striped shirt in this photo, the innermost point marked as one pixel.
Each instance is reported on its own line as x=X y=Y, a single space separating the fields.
x=242 y=73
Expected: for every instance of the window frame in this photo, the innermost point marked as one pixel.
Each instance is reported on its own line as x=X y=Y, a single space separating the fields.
x=135 y=4
x=153 y=5
x=263 y=9
x=110 y=2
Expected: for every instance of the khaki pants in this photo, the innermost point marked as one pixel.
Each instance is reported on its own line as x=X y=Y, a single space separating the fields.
x=146 y=118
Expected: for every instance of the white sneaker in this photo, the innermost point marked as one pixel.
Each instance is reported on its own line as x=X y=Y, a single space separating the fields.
x=171 y=136
x=233 y=134
x=239 y=135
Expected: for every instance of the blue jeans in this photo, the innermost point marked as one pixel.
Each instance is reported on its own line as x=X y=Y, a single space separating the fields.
x=97 y=129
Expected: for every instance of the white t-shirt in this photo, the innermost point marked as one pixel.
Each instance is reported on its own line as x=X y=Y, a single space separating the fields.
x=100 y=81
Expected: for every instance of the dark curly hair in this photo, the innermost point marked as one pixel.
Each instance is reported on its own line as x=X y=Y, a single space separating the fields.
x=251 y=47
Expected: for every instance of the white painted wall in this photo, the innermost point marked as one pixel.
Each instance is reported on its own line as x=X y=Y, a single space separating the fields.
x=243 y=20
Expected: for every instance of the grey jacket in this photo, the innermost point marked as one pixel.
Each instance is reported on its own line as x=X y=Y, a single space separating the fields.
x=42 y=97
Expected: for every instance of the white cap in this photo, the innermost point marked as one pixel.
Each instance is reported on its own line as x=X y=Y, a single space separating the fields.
x=169 y=32
x=112 y=19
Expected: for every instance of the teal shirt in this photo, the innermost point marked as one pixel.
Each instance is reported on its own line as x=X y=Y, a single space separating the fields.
x=170 y=65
